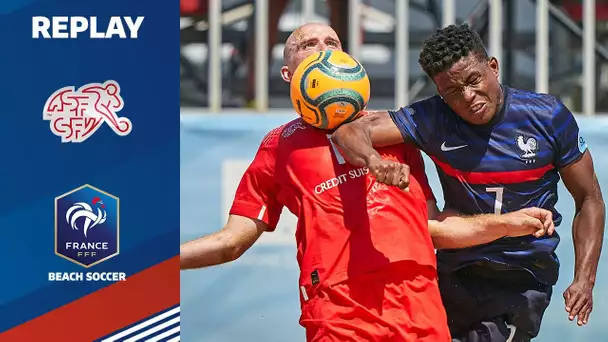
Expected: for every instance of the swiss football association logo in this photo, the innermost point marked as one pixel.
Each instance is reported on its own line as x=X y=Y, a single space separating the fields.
x=87 y=226
x=75 y=115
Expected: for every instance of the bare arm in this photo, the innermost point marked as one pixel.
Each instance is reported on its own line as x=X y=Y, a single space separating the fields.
x=450 y=230
x=357 y=139
x=588 y=226
x=587 y=234
x=226 y=245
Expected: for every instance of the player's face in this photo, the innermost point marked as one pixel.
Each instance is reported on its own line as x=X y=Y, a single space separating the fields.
x=308 y=40
x=471 y=88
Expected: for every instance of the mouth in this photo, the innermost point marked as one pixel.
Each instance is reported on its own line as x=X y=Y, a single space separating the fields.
x=478 y=109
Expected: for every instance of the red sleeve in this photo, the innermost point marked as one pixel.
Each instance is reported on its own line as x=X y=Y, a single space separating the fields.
x=414 y=159
x=256 y=194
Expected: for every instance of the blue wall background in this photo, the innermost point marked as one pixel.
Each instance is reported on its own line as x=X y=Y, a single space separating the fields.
x=256 y=298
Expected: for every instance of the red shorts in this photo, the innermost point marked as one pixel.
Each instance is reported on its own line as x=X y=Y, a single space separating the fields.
x=398 y=303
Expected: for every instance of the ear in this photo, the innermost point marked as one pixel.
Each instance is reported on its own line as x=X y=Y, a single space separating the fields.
x=493 y=63
x=285 y=74
x=437 y=89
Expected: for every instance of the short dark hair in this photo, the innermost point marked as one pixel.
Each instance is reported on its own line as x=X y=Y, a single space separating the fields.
x=447 y=46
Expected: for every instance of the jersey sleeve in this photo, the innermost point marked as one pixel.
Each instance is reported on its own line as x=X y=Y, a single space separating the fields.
x=568 y=142
x=415 y=122
x=256 y=194
x=414 y=159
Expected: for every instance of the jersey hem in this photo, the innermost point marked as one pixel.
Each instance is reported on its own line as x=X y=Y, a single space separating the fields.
x=570 y=161
x=251 y=211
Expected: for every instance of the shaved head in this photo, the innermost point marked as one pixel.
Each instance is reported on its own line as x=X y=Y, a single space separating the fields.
x=306 y=40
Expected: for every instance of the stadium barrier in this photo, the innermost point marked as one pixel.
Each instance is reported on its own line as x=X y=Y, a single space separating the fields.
x=256 y=297
x=585 y=10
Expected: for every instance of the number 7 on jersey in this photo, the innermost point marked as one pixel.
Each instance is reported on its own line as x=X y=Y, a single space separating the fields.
x=498 y=201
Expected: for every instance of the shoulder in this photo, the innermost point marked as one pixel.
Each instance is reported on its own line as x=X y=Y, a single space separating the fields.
x=544 y=107
x=541 y=103
x=293 y=128
x=270 y=146
x=428 y=106
x=287 y=130
x=422 y=113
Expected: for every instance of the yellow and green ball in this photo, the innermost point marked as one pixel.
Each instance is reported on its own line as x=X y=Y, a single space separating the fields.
x=329 y=88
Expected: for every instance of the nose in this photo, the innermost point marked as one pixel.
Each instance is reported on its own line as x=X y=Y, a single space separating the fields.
x=468 y=94
x=321 y=47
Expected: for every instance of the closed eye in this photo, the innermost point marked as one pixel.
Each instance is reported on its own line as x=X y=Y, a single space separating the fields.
x=308 y=44
x=332 y=42
x=475 y=78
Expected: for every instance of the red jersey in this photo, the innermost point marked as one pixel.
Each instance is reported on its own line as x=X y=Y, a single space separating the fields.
x=348 y=223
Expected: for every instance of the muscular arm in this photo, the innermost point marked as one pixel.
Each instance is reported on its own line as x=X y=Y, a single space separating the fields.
x=450 y=230
x=226 y=245
x=358 y=138
x=588 y=225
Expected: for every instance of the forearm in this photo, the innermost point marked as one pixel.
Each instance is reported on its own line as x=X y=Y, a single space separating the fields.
x=588 y=234
x=355 y=144
x=206 y=251
x=461 y=232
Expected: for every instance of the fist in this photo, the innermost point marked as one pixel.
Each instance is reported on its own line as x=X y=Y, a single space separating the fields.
x=391 y=173
x=529 y=221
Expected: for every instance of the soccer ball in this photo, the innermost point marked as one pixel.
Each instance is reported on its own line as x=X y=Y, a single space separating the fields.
x=329 y=88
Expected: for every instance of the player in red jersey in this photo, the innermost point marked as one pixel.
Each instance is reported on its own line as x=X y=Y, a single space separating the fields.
x=367 y=262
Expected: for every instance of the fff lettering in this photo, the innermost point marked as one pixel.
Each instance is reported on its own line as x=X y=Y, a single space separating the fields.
x=71 y=27
x=86 y=249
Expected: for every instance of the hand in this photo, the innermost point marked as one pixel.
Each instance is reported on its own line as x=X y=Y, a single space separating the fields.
x=579 y=301
x=535 y=221
x=391 y=173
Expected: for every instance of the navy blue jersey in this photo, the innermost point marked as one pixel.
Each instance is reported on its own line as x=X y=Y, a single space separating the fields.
x=506 y=165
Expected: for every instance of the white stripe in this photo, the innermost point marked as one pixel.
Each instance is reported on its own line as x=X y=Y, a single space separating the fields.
x=163 y=335
x=142 y=325
x=513 y=330
x=339 y=156
x=261 y=214
x=304 y=294
x=175 y=339
x=153 y=330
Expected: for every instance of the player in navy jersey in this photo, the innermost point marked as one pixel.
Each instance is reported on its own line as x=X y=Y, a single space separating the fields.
x=496 y=150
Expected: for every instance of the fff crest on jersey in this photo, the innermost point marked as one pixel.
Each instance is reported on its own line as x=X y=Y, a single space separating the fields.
x=87 y=226
x=75 y=115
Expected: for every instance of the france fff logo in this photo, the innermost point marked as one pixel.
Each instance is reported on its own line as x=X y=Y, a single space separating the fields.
x=87 y=226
